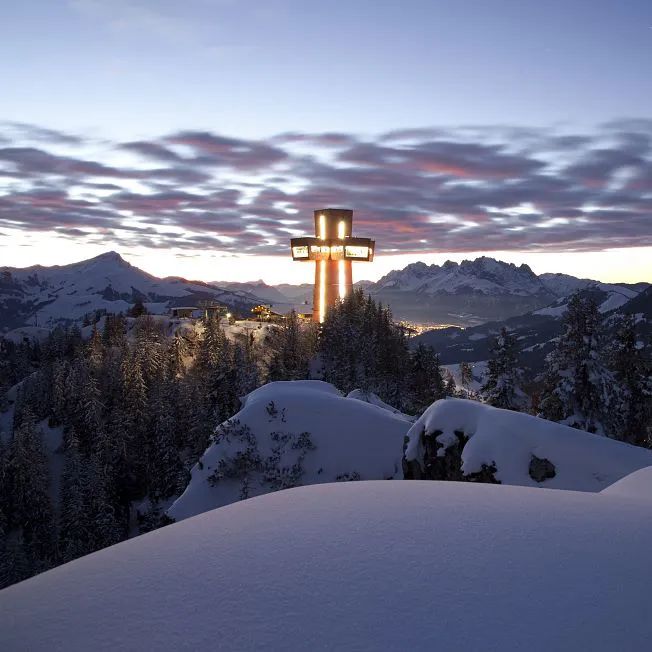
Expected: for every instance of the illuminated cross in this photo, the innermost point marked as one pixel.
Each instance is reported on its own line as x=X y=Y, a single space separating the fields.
x=333 y=249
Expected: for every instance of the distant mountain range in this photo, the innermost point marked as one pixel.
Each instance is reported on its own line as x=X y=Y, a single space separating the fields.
x=48 y=296
x=461 y=294
x=476 y=291
x=469 y=293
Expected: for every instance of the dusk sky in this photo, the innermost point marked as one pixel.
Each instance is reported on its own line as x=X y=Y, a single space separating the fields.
x=197 y=137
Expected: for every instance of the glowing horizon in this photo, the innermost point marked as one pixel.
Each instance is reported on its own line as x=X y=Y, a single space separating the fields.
x=629 y=265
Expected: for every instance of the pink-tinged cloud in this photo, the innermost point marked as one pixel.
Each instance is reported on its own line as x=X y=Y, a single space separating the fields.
x=411 y=190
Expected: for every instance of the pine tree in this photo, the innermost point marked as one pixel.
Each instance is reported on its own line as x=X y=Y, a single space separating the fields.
x=73 y=520
x=291 y=356
x=577 y=387
x=426 y=379
x=30 y=502
x=95 y=350
x=466 y=376
x=138 y=309
x=631 y=413
x=502 y=388
x=361 y=348
x=450 y=388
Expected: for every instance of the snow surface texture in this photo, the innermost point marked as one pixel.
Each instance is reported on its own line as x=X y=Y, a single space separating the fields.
x=583 y=462
x=359 y=566
x=351 y=440
x=374 y=399
x=637 y=485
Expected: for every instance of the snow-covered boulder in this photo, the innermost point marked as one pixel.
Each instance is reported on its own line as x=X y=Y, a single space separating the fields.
x=456 y=439
x=359 y=566
x=293 y=433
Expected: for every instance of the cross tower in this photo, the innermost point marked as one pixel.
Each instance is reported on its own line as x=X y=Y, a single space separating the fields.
x=333 y=249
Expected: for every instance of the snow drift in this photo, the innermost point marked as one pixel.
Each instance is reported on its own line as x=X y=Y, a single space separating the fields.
x=359 y=566
x=292 y=433
x=519 y=446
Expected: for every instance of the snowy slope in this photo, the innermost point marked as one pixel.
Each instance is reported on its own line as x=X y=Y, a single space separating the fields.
x=45 y=296
x=635 y=486
x=374 y=399
x=349 y=439
x=359 y=566
x=582 y=461
x=609 y=297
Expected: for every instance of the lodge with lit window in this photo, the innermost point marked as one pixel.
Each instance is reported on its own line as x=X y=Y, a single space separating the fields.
x=333 y=249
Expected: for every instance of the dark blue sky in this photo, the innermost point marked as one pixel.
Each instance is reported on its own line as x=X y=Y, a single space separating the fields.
x=253 y=69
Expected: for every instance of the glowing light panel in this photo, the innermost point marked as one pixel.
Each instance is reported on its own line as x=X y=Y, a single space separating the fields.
x=322 y=290
x=342 y=273
x=300 y=252
x=353 y=251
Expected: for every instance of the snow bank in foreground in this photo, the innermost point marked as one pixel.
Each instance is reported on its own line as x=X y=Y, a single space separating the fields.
x=359 y=566
x=346 y=439
x=635 y=485
x=582 y=461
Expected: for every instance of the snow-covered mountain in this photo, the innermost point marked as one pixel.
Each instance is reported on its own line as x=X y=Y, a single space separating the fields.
x=46 y=296
x=466 y=293
x=362 y=566
x=295 y=433
x=562 y=285
x=480 y=290
x=484 y=275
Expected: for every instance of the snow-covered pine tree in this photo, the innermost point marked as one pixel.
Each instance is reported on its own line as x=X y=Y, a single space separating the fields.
x=450 y=387
x=426 y=383
x=578 y=385
x=95 y=350
x=28 y=476
x=502 y=388
x=164 y=462
x=631 y=413
x=290 y=353
x=73 y=518
x=466 y=376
